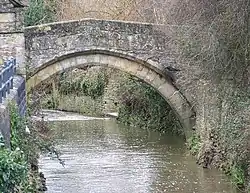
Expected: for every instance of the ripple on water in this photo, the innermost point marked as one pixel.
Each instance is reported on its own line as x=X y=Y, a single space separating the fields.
x=104 y=157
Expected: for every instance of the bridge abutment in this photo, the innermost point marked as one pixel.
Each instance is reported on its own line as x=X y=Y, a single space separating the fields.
x=12 y=41
x=12 y=45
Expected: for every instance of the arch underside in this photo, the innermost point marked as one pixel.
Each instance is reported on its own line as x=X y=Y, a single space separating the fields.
x=161 y=83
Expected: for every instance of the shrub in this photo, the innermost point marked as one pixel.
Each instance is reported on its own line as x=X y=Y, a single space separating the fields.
x=141 y=105
x=194 y=144
x=39 y=12
x=13 y=170
x=18 y=163
x=88 y=85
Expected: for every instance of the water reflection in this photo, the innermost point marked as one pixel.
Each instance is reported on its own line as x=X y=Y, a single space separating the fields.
x=104 y=157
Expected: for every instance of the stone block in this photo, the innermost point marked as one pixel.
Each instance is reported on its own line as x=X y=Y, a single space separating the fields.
x=7 y=17
x=142 y=73
x=151 y=75
x=158 y=81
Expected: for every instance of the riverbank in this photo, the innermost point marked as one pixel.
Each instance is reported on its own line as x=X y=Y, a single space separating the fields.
x=139 y=105
x=213 y=47
x=19 y=164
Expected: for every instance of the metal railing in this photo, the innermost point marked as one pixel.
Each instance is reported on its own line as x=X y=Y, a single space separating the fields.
x=7 y=72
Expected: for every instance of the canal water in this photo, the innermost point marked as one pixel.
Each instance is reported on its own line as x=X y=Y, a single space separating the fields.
x=102 y=156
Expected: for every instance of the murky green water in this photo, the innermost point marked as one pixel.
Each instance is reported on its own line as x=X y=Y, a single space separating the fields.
x=104 y=157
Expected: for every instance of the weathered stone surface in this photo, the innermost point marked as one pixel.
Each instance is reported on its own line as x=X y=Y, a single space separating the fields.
x=5 y=124
x=143 y=50
x=11 y=33
x=139 y=42
x=19 y=3
x=13 y=45
x=11 y=18
x=5 y=5
x=7 y=17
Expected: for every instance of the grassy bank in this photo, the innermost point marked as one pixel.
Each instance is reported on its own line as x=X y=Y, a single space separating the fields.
x=18 y=165
x=78 y=91
x=227 y=145
x=141 y=105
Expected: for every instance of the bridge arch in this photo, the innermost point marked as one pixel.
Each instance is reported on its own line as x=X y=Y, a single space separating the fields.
x=144 y=70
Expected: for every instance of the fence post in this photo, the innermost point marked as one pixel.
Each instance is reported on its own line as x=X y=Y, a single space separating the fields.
x=1 y=83
x=9 y=63
x=12 y=73
x=4 y=79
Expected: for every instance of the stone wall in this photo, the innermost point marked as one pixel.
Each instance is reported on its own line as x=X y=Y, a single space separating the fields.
x=12 y=44
x=46 y=44
x=11 y=33
x=11 y=17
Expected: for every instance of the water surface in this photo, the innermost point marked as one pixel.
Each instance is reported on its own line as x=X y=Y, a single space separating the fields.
x=104 y=157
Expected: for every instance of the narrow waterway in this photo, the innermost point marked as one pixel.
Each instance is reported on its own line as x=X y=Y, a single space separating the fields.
x=102 y=156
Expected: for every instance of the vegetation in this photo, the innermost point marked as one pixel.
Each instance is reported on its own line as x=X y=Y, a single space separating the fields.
x=217 y=39
x=18 y=165
x=194 y=144
x=39 y=12
x=238 y=175
x=13 y=170
x=14 y=162
x=141 y=105
x=213 y=36
x=88 y=85
x=85 y=88
x=234 y=136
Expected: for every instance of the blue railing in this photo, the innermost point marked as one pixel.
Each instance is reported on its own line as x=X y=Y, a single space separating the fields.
x=7 y=72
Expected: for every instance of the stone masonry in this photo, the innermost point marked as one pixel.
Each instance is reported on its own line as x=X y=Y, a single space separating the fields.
x=12 y=44
x=143 y=50
x=11 y=32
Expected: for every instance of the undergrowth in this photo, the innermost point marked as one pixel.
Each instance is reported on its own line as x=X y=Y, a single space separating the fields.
x=141 y=105
x=234 y=135
x=39 y=12
x=18 y=165
x=194 y=144
x=88 y=85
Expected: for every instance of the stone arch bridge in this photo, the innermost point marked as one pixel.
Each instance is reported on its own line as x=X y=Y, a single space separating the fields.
x=143 y=50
